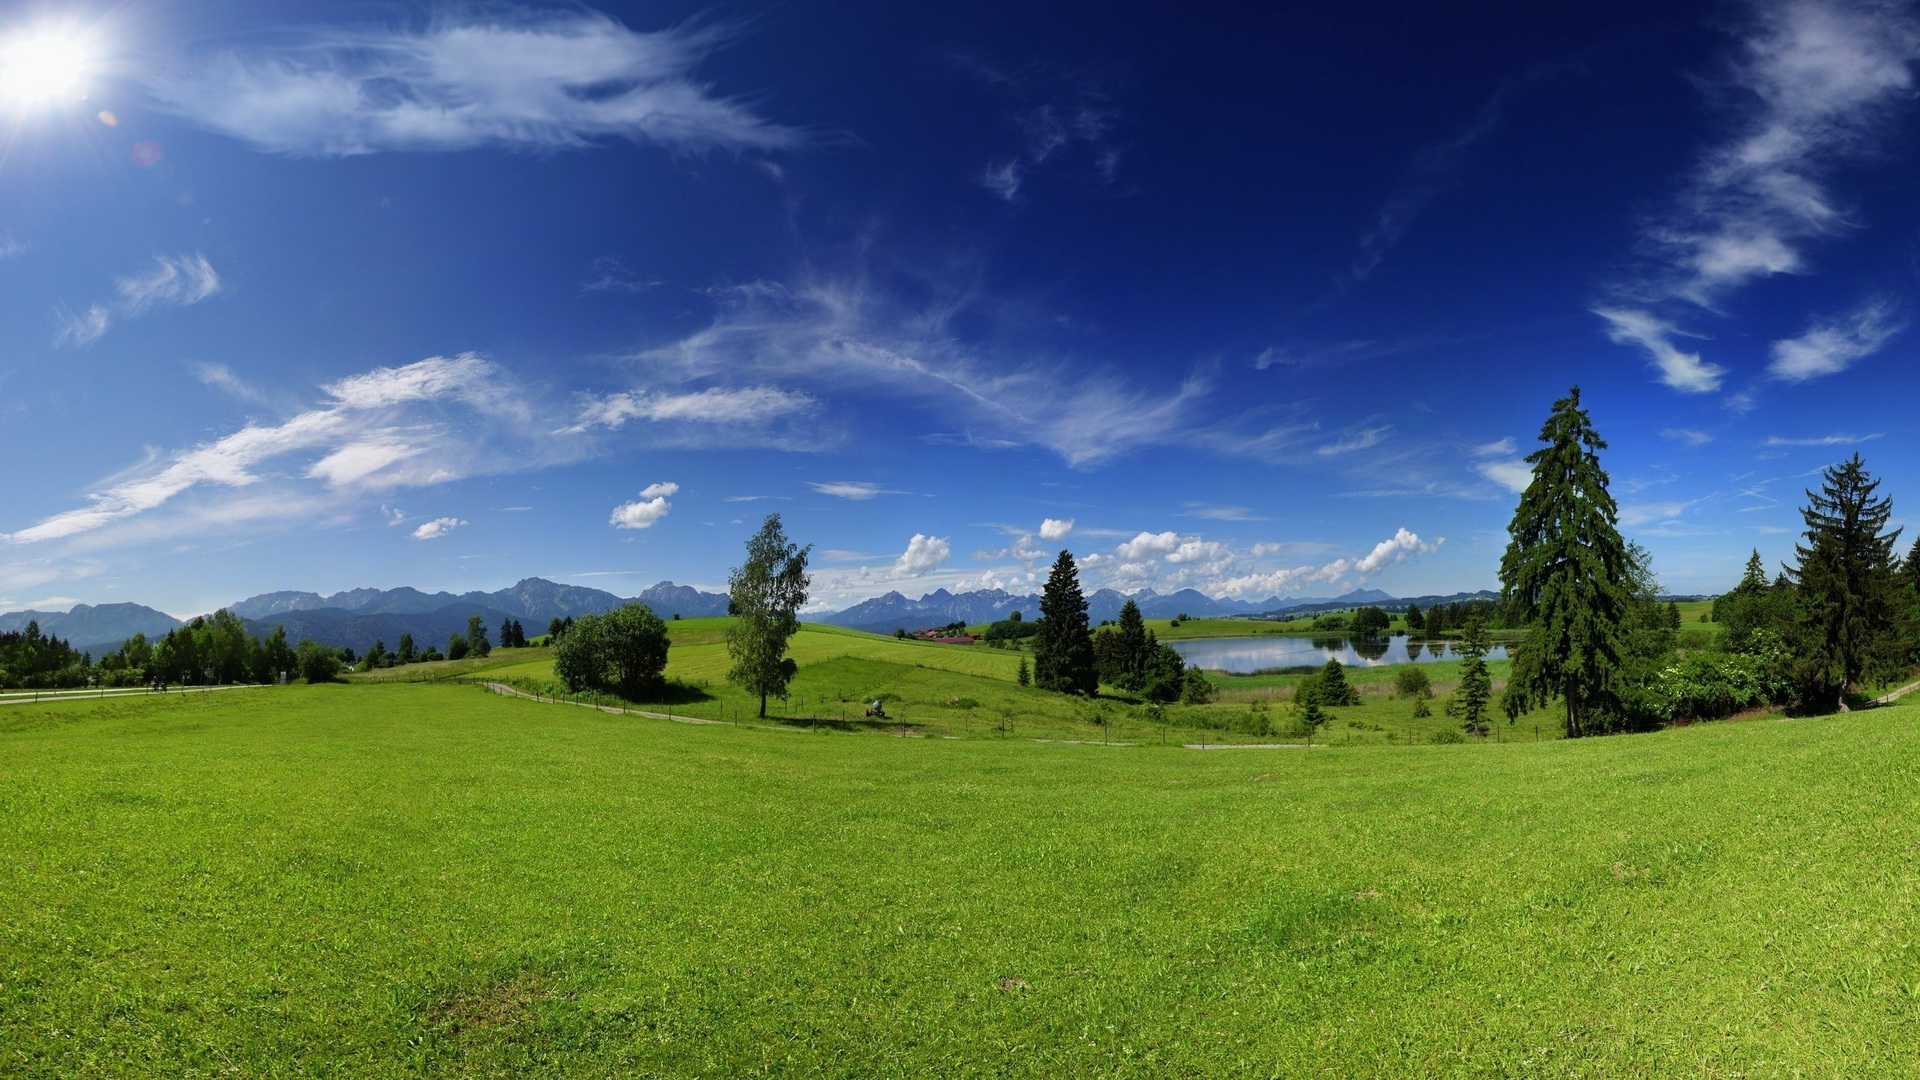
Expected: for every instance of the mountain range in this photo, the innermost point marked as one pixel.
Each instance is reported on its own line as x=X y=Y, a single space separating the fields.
x=356 y=618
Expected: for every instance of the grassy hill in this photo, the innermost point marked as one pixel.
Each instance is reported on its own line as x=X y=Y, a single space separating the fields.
x=431 y=880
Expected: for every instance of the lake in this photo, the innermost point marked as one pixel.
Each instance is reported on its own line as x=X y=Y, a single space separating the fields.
x=1242 y=656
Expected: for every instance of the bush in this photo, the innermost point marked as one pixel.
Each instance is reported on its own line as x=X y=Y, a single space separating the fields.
x=1411 y=682
x=1713 y=687
x=622 y=652
x=317 y=663
x=1448 y=735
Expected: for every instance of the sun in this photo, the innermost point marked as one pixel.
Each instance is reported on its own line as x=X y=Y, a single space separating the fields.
x=39 y=67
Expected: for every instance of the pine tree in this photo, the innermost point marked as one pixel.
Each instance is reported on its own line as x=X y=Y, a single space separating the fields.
x=1334 y=688
x=1469 y=702
x=1063 y=650
x=1133 y=652
x=1025 y=675
x=1415 y=620
x=1566 y=576
x=1850 y=623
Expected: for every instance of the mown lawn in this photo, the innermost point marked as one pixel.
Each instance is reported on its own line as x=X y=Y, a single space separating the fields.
x=429 y=880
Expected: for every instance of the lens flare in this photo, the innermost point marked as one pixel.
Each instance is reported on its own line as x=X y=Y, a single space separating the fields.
x=40 y=67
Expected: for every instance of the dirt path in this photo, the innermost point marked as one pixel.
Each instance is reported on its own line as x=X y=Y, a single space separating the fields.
x=110 y=695
x=1889 y=698
x=1247 y=746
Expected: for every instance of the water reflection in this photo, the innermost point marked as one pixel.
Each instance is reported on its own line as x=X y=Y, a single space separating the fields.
x=1245 y=655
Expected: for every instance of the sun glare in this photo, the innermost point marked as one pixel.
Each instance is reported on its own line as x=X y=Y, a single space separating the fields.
x=40 y=67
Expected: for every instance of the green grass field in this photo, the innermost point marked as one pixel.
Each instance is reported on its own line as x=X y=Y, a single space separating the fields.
x=968 y=691
x=431 y=880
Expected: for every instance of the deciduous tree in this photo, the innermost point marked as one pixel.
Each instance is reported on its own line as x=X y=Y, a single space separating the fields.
x=765 y=594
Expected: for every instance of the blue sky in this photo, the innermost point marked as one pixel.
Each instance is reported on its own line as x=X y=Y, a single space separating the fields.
x=320 y=296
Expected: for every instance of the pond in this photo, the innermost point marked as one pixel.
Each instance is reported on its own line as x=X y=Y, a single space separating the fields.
x=1243 y=656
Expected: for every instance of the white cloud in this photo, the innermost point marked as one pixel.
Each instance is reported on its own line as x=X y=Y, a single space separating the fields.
x=10 y=247
x=1684 y=371
x=1054 y=529
x=851 y=336
x=923 y=554
x=1002 y=179
x=716 y=405
x=641 y=514
x=533 y=81
x=1498 y=448
x=379 y=430
x=437 y=528
x=856 y=490
x=1514 y=474
x=1261 y=551
x=1838 y=439
x=1831 y=346
x=1688 y=436
x=1146 y=545
x=82 y=328
x=1396 y=549
x=1222 y=513
x=1359 y=440
x=221 y=377
x=393 y=515
x=1638 y=514
x=663 y=488
x=1813 y=84
x=176 y=280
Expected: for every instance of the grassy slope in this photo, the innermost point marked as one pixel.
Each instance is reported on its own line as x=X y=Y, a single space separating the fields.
x=841 y=670
x=434 y=881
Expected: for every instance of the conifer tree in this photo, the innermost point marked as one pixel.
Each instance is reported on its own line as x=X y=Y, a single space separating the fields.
x=1063 y=650
x=1470 y=699
x=1334 y=688
x=1850 y=616
x=1025 y=675
x=1566 y=576
x=1415 y=620
x=1132 y=648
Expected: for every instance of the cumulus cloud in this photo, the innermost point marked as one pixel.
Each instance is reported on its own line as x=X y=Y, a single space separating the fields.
x=437 y=528
x=1055 y=528
x=173 y=281
x=644 y=512
x=531 y=81
x=1404 y=544
x=1831 y=346
x=1146 y=545
x=923 y=554
x=1396 y=549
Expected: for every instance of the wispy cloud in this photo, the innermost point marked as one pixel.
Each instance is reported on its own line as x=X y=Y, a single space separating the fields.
x=1837 y=439
x=857 y=490
x=1514 y=474
x=437 y=528
x=1359 y=440
x=1688 y=436
x=608 y=275
x=851 y=336
x=1830 y=346
x=1684 y=371
x=1435 y=169
x=11 y=246
x=1062 y=117
x=1222 y=513
x=526 y=80
x=1814 y=82
x=715 y=405
x=377 y=431
x=173 y=281
x=221 y=377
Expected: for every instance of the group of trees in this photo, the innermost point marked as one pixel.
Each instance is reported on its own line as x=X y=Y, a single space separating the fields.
x=1439 y=619
x=29 y=658
x=623 y=651
x=1069 y=659
x=1598 y=643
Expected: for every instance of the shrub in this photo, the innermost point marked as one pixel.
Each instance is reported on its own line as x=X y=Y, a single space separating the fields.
x=1448 y=735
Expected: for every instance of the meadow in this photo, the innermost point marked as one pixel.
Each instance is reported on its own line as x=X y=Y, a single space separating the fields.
x=419 y=879
x=968 y=691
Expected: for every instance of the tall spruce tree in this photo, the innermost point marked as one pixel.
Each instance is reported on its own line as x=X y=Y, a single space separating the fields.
x=1566 y=576
x=1134 y=653
x=1063 y=649
x=1851 y=622
x=1471 y=698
